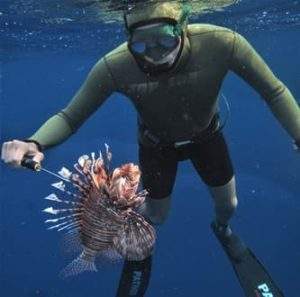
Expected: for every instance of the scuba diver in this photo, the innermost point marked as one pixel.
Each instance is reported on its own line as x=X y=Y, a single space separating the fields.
x=173 y=72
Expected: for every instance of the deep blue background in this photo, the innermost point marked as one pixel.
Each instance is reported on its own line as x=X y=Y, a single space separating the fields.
x=188 y=260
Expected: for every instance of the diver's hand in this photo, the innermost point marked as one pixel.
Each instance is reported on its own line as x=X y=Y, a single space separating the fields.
x=14 y=151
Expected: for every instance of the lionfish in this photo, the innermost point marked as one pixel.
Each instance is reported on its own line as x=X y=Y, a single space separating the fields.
x=101 y=212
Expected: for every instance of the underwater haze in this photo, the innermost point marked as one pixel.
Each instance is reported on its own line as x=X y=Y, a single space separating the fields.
x=47 y=48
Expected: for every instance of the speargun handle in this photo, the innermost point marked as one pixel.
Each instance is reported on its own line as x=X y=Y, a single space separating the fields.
x=31 y=164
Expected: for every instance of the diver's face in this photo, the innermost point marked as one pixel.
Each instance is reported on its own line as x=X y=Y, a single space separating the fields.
x=156 y=43
x=157 y=53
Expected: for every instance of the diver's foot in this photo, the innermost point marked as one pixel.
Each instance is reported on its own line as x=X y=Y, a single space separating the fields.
x=233 y=245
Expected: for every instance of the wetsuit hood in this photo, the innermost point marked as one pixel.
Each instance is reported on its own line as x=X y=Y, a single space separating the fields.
x=153 y=12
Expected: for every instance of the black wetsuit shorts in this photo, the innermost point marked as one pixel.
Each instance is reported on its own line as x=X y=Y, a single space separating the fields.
x=210 y=158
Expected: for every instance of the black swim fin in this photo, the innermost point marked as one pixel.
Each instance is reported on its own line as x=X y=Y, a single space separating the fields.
x=251 y=273
x=135 y=278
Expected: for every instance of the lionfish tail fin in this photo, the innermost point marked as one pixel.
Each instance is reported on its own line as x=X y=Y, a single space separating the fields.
x=77 y=266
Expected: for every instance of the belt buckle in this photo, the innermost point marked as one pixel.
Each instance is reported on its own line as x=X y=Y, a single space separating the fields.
x=181 y=143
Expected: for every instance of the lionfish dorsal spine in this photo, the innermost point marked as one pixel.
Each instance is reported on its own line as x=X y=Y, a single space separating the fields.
x=54 y=211
x=60 y=224
x=73 y=225
x=53 y=197
x=62 y=218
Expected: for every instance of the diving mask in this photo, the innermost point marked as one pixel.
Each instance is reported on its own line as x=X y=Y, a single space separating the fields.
x=157 y=43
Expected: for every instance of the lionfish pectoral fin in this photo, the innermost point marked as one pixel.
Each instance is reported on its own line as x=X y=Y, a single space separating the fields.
x=77 y=266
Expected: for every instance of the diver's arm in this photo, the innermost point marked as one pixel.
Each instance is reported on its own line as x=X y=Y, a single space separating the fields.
x=96 y=88
x=247 y=63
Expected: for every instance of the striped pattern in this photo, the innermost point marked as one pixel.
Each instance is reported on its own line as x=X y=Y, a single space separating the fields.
x=100 y=211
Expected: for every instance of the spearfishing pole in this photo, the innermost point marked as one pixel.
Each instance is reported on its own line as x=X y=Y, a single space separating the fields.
x=29 y=163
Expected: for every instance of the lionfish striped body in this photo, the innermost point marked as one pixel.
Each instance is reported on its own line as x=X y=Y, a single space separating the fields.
x=102 y=212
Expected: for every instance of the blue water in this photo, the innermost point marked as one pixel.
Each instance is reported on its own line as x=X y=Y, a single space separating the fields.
x=43 y=64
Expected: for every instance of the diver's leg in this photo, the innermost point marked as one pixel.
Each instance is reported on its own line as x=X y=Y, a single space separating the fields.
x=225 y=201
x=158 y=169
x=156 y=210
x=213 y=164
x=212 y=161
x=158 y=176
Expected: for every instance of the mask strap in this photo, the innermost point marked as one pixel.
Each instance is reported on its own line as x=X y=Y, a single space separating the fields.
x=125 y=20
x=186 y=11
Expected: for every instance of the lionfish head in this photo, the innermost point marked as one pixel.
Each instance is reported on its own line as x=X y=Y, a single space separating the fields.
x=124 y=182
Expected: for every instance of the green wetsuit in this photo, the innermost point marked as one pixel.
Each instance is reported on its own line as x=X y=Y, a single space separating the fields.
x=178 y=104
